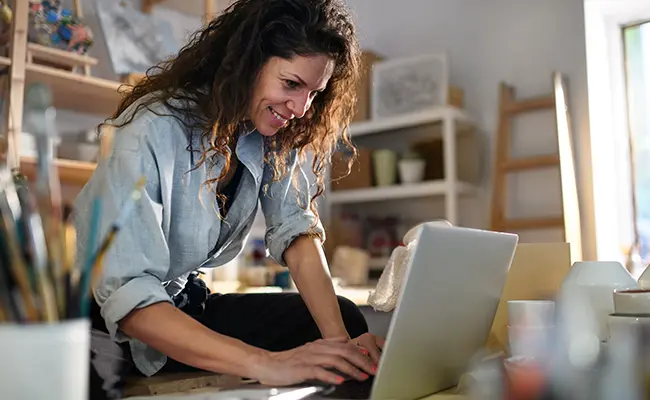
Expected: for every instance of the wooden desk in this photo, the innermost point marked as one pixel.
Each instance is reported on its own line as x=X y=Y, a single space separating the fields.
x=446 y=395
x=194 y=383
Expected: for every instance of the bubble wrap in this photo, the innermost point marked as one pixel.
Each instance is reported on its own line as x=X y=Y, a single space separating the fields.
x=384 y=297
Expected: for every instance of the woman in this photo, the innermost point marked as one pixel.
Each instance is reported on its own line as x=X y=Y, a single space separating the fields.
x=223 y=125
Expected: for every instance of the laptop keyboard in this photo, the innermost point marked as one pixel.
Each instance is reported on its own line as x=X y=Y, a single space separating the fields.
x=350 y=390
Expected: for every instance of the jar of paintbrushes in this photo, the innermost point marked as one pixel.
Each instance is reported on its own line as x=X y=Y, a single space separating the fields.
x=45 y=291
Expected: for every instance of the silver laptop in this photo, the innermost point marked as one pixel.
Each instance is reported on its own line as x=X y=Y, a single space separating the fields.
x=448 y=300
x=451 y=290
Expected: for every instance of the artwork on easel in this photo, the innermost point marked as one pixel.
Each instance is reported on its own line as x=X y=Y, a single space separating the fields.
x=409 y=84
x=136 y=41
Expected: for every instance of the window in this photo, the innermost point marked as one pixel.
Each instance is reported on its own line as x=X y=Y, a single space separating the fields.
x=636 y=42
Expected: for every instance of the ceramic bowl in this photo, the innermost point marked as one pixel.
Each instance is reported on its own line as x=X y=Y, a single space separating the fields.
x=624 y=325
x=632 y=301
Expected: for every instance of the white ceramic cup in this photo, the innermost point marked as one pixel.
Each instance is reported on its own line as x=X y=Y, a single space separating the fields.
x=624 y=325
x=411 y=170
x=530 y=342
x=45 y=361
x=536 y=313
x=632 y=301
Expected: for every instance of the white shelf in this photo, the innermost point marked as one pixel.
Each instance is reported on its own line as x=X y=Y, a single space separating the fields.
x=424 y=189
x=434 y=115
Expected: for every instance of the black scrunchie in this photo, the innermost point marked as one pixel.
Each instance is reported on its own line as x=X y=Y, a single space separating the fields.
x=191 y=300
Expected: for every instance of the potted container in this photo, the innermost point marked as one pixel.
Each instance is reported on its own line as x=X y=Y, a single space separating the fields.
x=411 y=168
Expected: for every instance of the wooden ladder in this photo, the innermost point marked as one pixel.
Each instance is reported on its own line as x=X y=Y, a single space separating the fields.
x=504 y=164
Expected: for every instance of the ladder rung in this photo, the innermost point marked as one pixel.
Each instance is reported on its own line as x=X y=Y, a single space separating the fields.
x=532 y=223
x=535 y=103
x=520 y=164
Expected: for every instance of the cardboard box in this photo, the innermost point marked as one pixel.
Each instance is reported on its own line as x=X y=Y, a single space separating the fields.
x=364 y=86
x=456 y=97
x=536 y=273
x=360 y=172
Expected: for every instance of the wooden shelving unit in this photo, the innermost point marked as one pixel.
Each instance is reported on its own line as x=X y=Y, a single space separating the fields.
x=73 y=87
x=75 y=91
x=445 y=123
x=69 y=171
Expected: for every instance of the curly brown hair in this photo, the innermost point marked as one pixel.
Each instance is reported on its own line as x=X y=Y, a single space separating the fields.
x=211 y=80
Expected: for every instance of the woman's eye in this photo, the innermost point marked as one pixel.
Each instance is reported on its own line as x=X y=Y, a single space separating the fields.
x=291 y=84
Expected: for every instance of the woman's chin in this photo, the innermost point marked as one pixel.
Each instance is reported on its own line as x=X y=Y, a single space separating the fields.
x=266 y=129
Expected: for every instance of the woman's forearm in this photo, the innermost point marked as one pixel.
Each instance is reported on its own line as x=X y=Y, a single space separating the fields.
x=308 y=268
x=179 y=336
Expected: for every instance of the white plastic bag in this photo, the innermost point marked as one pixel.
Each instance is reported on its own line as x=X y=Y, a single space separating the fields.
x=384 y=297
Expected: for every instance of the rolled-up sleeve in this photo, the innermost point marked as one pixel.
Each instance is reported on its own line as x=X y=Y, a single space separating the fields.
x=285 y=204
x=137 y=263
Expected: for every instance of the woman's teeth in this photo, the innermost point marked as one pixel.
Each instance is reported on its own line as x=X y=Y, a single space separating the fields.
x=277 y=116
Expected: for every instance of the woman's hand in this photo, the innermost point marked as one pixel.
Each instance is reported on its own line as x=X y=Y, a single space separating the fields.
x=323 y=360
x=372 y=344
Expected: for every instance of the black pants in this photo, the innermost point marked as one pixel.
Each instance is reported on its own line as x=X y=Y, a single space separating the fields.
x=273 y=321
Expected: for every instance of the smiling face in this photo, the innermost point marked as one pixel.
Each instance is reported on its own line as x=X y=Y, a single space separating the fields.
x=285 y=90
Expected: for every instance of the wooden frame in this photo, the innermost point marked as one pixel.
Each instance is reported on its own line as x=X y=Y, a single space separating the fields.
x=416 y=68
x=209 y=7
x=73 y=87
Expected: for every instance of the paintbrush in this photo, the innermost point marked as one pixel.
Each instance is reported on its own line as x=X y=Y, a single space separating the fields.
x=10 y=214
x=36 y=248
x=3 y=316
x=9 y=295
x=38 y=101
x=71 y=274
x=128 y=206
x=95 y=267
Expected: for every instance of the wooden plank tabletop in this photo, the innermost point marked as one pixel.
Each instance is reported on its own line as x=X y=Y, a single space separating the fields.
x=181 y=384
x=446 y=395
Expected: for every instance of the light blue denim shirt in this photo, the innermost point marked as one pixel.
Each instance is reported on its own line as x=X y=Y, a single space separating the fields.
x=174 y=227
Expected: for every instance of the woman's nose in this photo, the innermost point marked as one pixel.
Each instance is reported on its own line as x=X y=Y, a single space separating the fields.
x=300 y=104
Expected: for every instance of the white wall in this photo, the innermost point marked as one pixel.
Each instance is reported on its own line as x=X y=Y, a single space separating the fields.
x=518 y=41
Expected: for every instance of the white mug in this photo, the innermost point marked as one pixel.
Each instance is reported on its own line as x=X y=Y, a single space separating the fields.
x=535 y=313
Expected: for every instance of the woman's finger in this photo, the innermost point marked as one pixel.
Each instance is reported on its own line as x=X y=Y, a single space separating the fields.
x=351 y=353
x=321 y=374
x=373 y=351
x=341 y=365
x=380 y=341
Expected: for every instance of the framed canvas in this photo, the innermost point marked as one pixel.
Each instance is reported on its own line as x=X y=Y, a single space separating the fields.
x=135 y=41
x=409 y=84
